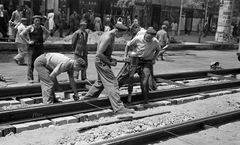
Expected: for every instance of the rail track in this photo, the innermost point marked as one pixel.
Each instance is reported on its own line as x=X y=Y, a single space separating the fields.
x=157 y=134
x=179 y=80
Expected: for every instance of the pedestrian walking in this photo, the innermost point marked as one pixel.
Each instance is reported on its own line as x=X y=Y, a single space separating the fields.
x=58 y=23
x=98 y=23
x=103 y=63
x=3 y=21
x=205 y=28
x=49 y=66
x=21 y=44
x=28 y=14
x=51 y=24
x=15 y=19
x=174 y=28
x=36 y=48
x=163 y=40
x=79 y=43
x=145 y=49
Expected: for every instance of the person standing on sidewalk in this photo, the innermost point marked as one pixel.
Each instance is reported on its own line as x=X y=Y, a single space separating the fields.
x=79 y=43
x=58 y=23
x=36 y=48
x=205 y=28
x=15 y=19
x=3 y=21
x=163 y=39
x=49 y=66
x=106 y=78
x=145 y=49
x=21 y=44
x=51 y=24
x=174 y=28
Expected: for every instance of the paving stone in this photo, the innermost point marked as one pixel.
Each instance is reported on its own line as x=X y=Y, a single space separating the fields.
x=139 y=107
x=176 y=101
x=21 y=127
x=37 y=100
x=4 y=103
x=71 y=119
x=14 y=102
x=214 y=94
x=28 y=101
x=81 y=117
x=33 y=125
x=44 y=123
x=6 y=129
x=92 y=116
x=164 y=103
x=237 y=90
x=153 y=104
x=60 y=95
x=59 y=121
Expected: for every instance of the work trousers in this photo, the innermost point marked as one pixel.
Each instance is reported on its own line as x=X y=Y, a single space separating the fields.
x=47 y=85
x=22 y=52
x=84 y=71
x=106 y=80
x=144 y=70
x=34 y=51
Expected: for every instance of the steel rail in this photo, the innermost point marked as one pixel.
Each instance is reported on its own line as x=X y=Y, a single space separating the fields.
x=35 y=90
x=70 y=108
x=158 y=134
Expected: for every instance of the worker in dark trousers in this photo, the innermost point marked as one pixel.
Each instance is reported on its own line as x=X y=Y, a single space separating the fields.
x=49 y=66
x=106 y=78
x=79 y=43
x=145 y=49
x=36 y=48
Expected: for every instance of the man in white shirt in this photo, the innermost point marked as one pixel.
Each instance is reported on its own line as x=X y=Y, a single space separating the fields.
x=146 y=49
x=21 y=44
x=49 y=66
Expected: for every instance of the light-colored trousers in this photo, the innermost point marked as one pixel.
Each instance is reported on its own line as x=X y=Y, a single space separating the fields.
x=22 y=52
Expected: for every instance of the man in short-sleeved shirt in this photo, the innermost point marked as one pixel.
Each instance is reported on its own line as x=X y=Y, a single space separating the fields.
x=49 y=66
x=145 y=48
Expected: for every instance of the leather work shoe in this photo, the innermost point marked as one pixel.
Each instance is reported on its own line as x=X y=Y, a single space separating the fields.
x=125 y=110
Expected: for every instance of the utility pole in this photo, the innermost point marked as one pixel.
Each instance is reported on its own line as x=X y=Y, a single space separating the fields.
x=180 y=18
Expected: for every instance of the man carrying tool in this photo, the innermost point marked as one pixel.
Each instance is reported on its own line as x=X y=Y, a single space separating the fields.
x=145 y=49
x=49 y=66
x=136 y=31
x=162 y=37
x=103 y=63
x=79 y=43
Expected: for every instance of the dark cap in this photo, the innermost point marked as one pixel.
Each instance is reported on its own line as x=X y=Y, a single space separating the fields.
x=80 y=62
x=151 y=31
x=36 y=16
x=121 y=27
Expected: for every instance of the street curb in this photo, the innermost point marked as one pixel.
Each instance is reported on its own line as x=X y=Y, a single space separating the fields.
x=11 y=46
